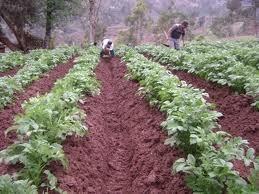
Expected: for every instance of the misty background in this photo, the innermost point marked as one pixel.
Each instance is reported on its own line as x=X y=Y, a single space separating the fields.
x=125 y=21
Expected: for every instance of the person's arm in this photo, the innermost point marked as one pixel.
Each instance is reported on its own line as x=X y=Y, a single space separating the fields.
x=169 y=33
x=183 y=35
x=111 y=48
x=104 y=44
x=166 y=36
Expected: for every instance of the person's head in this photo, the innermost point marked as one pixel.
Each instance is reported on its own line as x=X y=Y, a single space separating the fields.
x=110 y=42
x=185 y=24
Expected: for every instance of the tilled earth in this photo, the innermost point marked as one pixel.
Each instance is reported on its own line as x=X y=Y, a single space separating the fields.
x=9 y=72
x=239 y=117
x=124 y=151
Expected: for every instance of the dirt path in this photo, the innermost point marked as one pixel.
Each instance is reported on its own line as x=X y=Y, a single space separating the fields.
x=10 y=72
x=40 y=86
x=239 y=119
x=124 y=151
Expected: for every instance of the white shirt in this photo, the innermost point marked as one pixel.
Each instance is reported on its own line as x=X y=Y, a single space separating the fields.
x=105 y=42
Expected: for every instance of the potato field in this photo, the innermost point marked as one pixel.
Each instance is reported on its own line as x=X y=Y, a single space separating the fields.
x=151 y=120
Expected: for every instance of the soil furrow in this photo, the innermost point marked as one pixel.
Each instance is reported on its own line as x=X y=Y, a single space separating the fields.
x=40 y=86
x=10 y=72
x=124 y=151
x=239 y=117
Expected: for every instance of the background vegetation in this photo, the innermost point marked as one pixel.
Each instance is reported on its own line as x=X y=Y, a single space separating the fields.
x=29 y=24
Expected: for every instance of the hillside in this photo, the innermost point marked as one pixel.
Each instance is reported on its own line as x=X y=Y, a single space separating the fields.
x=114 y=13
x=117 y=11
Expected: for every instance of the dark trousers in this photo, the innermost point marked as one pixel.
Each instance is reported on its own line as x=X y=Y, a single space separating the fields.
x=104 y=53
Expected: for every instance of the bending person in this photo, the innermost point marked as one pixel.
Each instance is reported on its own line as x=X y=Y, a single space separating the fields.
x=176 y=32
x=107 y=48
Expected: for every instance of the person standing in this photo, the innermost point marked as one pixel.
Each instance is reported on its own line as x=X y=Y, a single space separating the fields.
x=176 y=32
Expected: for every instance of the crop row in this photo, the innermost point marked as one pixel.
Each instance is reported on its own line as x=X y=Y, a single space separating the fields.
x=244 y=51
x=38 y=63
x=190 y=123
x=14 y=59
x=218 y=67
x=46 y=122
x=11 y=60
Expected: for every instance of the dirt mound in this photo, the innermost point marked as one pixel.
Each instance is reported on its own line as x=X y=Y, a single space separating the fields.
x=240 y=119
x=124 y=151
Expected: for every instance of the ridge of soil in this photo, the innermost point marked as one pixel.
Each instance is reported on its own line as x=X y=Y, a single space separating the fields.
x=38 y=87
x=239 y=117
x=124 y=151
x=9 y=72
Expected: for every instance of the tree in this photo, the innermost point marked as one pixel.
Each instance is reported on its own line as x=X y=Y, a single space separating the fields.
x=56 y=10
x=256 y=5
x=15 y=14
x=234 y=5
x=237 y=13
x=94 y=8
x=137 y=22
x=18 y=14
x=49 y=17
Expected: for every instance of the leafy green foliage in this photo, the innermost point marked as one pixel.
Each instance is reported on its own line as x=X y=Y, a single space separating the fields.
x=10 y=60
x=47 y=121
x=10 y=186
x=188 y=114
x=190 y=123
x=35 y=155
x=55 y=115
x=214 y=171
x=38 y=63
x=52 y=182
x=216 y=62
x=55 y=121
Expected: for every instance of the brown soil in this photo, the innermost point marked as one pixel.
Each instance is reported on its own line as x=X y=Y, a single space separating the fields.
x=240 y=119
x=10 y=72
x=124 y=151
x=41 y=86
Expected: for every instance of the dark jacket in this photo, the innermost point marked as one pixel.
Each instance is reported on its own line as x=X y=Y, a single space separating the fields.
x=177 y=31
